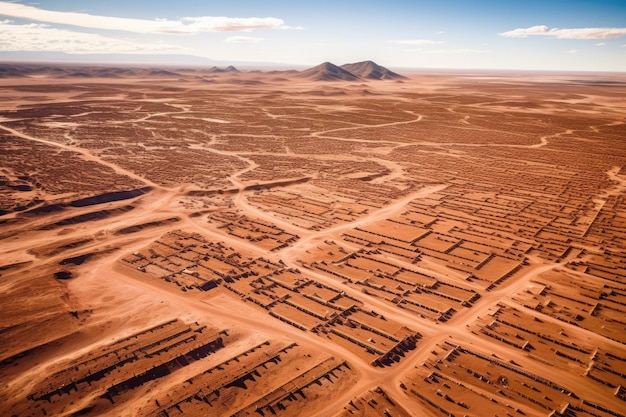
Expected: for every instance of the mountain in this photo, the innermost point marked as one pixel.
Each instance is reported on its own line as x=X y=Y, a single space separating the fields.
x=372 y=71
x=368 y=70
x=229 y=68
x=63 y=70
x=328 y=72
x=129 y=59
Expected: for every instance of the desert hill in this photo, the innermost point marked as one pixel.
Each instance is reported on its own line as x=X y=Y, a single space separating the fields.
x=372 y=71
x=229 y=68
x=368 y=70
x=328 y=72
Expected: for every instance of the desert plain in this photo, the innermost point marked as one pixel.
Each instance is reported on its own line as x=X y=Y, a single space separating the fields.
x=216 y=242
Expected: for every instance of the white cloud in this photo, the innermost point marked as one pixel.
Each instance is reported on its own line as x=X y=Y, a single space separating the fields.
x=243 y=39
x=572 y=51
x=452 y=51
x=37 y=37
x=415 y=42
x=600 y=44
x=185 y=25
x=441 y=32
x=582 y=33
x=287 y=27
x=522 y=33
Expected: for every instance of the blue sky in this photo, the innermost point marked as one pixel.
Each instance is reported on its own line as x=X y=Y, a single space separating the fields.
x=506 y=34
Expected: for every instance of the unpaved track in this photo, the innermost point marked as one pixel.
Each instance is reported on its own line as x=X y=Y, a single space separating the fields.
x=366 y=126
x=230 y=312
x=389 y=210
x=143 y=300
x=88 y=156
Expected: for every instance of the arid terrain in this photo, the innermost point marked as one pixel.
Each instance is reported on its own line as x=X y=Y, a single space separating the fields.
x=340 y=241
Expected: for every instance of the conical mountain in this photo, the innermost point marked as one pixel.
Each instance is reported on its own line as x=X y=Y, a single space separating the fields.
x=328 y=72
x=229 y=68
x=372 y=71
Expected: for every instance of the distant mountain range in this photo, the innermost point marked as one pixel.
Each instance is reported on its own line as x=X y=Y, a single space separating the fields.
x=8 y=70
x=358 y=71
x=62 y=58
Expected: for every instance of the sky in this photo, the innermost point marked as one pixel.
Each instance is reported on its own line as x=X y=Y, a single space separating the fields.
x=553 y=35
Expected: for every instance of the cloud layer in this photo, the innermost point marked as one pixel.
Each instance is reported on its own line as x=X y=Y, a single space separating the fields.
x=243 y=39
x=183 y=26
x=41 y=37
x=459 y=51
x=415 y=42
x=582 y=33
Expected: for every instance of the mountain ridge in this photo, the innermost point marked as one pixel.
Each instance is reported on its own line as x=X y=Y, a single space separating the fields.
x=328 y=71
x=372 y=71
x=363 y=70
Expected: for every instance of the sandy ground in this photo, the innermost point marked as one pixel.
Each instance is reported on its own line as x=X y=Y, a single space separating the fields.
x=247 y=243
